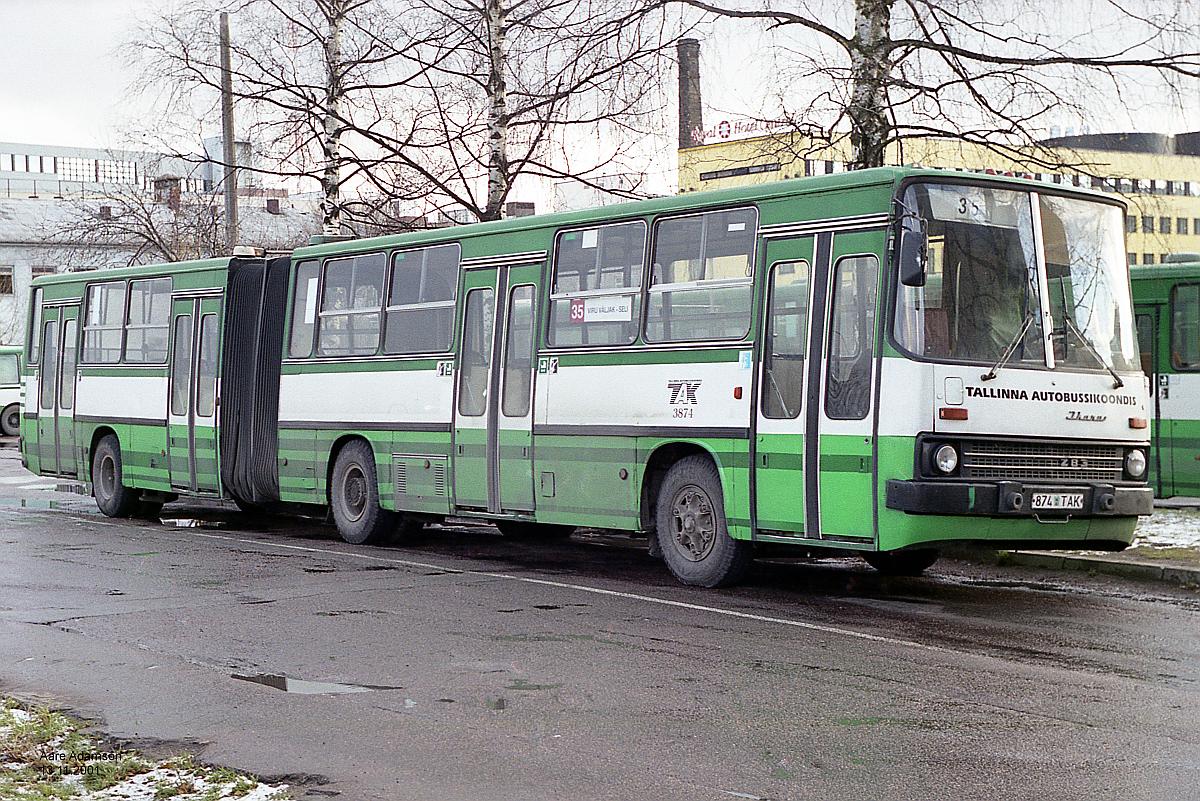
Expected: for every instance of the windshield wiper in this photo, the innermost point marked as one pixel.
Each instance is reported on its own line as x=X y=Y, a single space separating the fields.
x=1068 y=322
x=1012 y=347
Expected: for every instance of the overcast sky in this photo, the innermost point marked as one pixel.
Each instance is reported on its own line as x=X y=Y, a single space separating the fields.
x=64 y=83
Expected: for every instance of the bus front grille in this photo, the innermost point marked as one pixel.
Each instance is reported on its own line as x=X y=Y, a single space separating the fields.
x=1041 y=461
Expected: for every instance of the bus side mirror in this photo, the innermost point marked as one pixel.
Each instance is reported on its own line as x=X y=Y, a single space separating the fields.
x=913 y=254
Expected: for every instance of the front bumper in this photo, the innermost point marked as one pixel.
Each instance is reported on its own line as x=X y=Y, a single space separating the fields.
x=1012 y=499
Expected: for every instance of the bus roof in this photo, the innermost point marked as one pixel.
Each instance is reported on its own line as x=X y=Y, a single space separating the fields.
x=198 y=265
x=878 y=176
x=1151 y=272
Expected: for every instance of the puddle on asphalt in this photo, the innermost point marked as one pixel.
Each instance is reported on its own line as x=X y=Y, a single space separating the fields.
x=303 y=687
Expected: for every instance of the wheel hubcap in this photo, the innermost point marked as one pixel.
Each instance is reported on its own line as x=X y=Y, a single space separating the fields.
x=108 y=476
x=354 y=492
x=694 y=525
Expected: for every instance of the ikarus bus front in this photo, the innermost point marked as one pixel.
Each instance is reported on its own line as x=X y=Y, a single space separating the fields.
x=1014 y=394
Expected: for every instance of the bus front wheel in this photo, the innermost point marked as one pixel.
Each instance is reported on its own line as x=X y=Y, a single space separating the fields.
x=354 y=496
x=10 y=420
x=112 y=496
x=691 y=528
x=902 y=563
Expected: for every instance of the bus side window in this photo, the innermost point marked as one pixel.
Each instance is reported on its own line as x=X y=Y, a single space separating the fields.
x=700 y=286
x=103 y=322
x=596 y=294
x=786 y=341
x=148 y=322
x=1185 y=328
x=351 y=300
x=420 y=312
x=304 y=310
x=851 y=338
x=35 y=327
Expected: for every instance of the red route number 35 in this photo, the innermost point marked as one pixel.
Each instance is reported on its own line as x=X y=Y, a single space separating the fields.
x=577 y=310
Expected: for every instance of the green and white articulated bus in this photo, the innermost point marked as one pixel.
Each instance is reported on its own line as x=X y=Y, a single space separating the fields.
x=1167 y=304
x=883 y=362
x=10 y=390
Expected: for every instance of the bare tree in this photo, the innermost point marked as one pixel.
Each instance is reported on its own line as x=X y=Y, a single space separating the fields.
x=994 y=73
x=440 y=105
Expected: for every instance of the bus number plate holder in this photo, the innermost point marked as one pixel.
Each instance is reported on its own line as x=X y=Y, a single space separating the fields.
x=1057 y=501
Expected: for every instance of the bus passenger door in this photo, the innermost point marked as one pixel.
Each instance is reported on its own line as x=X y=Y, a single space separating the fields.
x=845 y=490
x=779 y=486
x=1148 y=328
x=493 y=449
x=193 y=401
x=64 y=409
x=47 y=422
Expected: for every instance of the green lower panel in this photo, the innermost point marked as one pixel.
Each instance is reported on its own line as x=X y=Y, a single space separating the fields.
x=780 y=482
x=846 y=486
x=470 y=467
x=898 y=529
x=1184 y=451
x=578 y=481
x=516 y=470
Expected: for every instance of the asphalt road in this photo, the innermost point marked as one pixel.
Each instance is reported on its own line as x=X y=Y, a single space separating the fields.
x=579 y=670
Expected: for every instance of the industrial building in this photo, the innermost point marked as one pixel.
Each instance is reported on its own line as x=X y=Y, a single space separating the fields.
x=1157 y=175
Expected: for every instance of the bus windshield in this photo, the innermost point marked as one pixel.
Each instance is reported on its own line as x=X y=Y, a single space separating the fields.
x=983 y=286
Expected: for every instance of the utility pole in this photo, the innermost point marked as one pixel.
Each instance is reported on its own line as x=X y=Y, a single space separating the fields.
x=229 y=153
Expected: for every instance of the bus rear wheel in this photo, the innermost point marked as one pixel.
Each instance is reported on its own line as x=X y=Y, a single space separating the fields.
x=354 y=496
x=10 y=420
x=691 y=529
x=902 y=563
x=112 y=496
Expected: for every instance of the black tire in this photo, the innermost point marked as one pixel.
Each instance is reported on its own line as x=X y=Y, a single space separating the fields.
x=902 y=563
x=528 y=530
x=10 y=420
x=354 y=498
x=248 y=508
x=691 y=528
x=112 y=496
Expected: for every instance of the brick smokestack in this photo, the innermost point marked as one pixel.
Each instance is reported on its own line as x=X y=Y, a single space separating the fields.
x=691 y=114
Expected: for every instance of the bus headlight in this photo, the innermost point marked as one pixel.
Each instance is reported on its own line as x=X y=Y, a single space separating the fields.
x=1135 y=463
x=945 y=459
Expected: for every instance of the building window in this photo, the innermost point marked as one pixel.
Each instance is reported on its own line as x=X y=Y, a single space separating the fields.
x=1164 y=225
x=1181 y=225
x=1196 y=225
x=6 y=280
x=1147 y=258
x=1132 y=259
x=1147 y=225
x=1162 y=257
x=1130 y=224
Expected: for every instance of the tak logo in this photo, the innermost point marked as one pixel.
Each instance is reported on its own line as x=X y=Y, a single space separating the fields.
x=683 y=393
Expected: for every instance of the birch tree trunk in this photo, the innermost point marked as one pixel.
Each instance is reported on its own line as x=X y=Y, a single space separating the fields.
x=870 y=65
x=498 y=179
x=331 y=135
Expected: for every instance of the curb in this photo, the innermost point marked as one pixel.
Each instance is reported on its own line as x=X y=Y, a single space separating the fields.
x=1181 y=575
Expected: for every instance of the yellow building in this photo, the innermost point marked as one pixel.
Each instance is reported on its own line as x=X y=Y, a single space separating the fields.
x=1157 y=175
